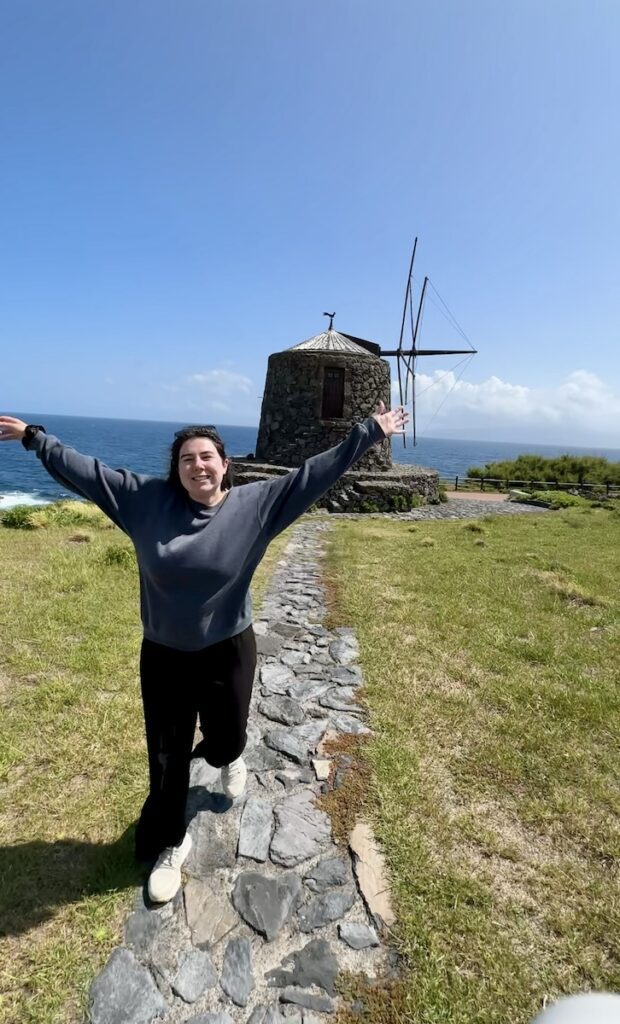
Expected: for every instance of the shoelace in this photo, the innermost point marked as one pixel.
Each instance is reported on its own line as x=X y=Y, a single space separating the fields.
x=170 y=858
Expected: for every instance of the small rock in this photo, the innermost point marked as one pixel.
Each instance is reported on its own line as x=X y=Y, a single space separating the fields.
x=343 y=652
x=302 y=830
x=330 y=872
x=125 y=993
x=357 y=936
x=215 y=1017
x=324 y=909
x=209 y=913
x=255 y=829
x=315 y=964
x=266 y=903
x=261 y=759
x=301 y=997
x=291 y=746
x=267 y=645
x=349 y=724
x=371 y=873
x=282 y=709
x=322 y=768
x=141 y=930
x=196 y=974
x=237 y=980
x=340 y=698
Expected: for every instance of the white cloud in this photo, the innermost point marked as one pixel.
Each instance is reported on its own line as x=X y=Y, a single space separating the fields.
x=581 y=409
x=210 y=393
x=221 y=382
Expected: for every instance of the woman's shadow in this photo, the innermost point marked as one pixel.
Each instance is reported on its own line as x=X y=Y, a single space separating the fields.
x=38 y=877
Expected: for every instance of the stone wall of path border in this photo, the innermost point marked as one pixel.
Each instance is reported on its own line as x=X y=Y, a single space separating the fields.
x=272 y=908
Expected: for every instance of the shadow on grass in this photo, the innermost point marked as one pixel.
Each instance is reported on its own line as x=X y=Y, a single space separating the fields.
x=38 y=877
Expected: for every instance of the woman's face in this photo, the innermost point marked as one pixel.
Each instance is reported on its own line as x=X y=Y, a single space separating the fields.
x=201 y=469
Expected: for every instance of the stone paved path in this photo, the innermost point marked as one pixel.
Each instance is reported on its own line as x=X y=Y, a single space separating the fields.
x=455 y=508
x=272 y=908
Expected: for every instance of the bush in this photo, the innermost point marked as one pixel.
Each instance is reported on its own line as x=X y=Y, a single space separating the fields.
x=442 y=493
x=20 y=517
x=118 y=554
x=474 y=527
x=563 y=469
x=74 y=513
x=555 y=499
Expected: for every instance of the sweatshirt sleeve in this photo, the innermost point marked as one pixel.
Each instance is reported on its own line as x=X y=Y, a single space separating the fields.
x=110 y=489
x=284 y=499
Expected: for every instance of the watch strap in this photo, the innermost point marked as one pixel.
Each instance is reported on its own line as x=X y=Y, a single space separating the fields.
x=30 y=433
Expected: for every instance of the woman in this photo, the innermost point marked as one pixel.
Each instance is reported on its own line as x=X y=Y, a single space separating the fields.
x=198 y=542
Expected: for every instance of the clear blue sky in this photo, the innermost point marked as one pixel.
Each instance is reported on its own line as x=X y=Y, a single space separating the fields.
x=187 y=186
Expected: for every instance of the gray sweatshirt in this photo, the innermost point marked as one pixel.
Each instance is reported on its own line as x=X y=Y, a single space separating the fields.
x=196 y=563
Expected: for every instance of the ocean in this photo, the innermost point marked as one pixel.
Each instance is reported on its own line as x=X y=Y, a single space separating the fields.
x=142 y=445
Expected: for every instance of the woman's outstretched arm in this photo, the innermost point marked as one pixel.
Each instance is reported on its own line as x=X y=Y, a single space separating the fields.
x=285 y=498
x=108 y=488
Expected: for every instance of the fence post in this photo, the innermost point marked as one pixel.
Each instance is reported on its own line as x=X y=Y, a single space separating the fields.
x=456 y=483
x=481 y=483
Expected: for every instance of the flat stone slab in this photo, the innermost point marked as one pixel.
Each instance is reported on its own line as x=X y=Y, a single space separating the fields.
x=344 y=652
x=349 y=724
x=262 y=759
x=266 y=903
x=357 y=936
x=141 y=930
x=214 y=841
x=349 y=676
x=125 y=993
x=301 y=997
x=256 y=829
x=237 y=979
x=275 y=678
x=209 y=914
x=315 y=964
x=307 y=689
x=328 y=873
x=371 y=874
x=195 y=975
x=282 y=709
x=268 y=644
x=215 y=1017
x=340 y=698
x=285 y=743
x=322 y=768
x=302 y=830
x=323 y=909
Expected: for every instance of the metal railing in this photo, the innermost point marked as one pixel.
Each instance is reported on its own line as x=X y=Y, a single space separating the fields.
x=497 y=483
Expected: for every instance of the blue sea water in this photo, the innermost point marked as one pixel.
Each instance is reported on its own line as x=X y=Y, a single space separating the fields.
x=142 y=445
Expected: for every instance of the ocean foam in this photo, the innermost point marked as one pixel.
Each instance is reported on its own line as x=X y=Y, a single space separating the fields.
x=14 y=498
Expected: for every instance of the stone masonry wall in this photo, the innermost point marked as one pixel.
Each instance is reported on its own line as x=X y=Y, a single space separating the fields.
x=291 y=428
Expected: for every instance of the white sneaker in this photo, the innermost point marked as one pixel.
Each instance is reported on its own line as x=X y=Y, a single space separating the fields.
x=165 y=878
x=233 y=778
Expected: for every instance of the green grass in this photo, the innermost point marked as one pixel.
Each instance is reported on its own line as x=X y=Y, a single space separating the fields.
x=73 y=770
x=491 y=661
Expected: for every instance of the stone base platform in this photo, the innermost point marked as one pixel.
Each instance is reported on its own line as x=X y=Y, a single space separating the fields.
x=391 y=490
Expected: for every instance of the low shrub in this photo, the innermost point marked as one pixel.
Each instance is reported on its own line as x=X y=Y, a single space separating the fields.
x=20 y=517
x=555 y=499
x=119 y=554
x=442 y=493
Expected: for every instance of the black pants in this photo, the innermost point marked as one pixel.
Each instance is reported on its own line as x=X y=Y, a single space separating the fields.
x=214 y=684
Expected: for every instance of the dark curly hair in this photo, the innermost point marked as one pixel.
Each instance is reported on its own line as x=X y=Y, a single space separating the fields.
x=185 y=435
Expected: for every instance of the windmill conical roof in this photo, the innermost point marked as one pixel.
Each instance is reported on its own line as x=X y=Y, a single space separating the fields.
x=330 y=341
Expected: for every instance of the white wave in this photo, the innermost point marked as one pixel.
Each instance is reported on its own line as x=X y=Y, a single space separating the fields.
x=14 y=498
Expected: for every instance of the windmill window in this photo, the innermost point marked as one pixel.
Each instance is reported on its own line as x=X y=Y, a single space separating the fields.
x=333 y=393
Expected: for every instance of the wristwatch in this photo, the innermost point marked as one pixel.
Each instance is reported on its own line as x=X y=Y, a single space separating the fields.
x=29 y=433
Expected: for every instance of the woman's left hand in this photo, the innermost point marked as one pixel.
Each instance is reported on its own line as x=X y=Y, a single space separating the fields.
x=392 y=422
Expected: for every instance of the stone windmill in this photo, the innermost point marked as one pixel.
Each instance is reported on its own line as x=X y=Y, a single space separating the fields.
x=314 y=393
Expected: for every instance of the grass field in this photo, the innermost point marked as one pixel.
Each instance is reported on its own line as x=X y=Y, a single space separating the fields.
x=491 y=655
x=73 y=772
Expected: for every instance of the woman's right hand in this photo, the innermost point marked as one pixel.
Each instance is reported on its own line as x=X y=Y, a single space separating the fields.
x=11 y=429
